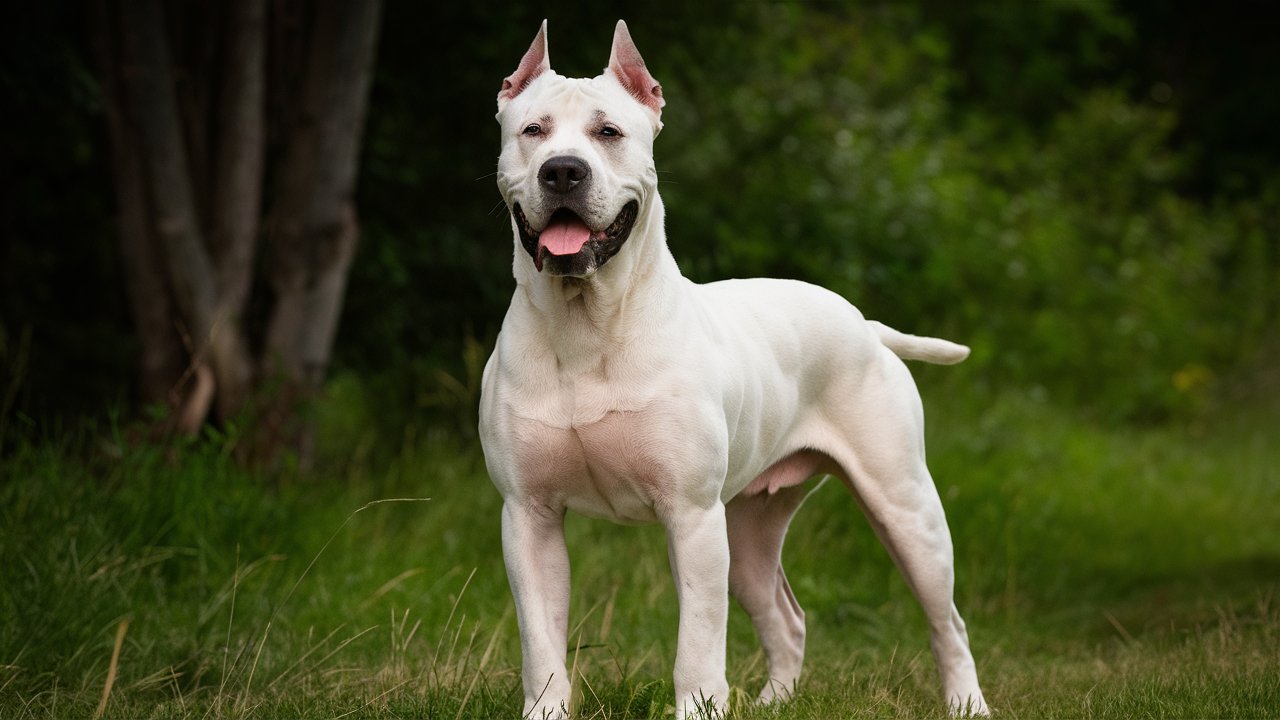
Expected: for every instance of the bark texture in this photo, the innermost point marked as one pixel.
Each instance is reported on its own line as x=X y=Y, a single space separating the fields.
x=186 y=86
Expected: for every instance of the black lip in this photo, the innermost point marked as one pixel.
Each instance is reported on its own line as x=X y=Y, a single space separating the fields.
x=593 y=255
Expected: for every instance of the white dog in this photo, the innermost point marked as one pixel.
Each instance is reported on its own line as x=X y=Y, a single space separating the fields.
x=621 y=390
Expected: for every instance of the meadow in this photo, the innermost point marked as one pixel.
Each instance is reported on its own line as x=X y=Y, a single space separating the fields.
x=1085 y=193
x=1104 y=571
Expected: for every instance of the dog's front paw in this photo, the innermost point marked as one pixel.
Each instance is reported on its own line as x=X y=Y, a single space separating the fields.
x=546 y=711
x=703 y=707
x=971 y=706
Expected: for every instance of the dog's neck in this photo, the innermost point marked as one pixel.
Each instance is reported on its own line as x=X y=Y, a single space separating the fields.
x=585 y=319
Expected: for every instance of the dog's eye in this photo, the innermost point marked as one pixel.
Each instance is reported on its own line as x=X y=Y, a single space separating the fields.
x=532 y=129
x=610 y=131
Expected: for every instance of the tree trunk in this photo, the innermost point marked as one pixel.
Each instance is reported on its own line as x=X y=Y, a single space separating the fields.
x=149 y=93
x=148 y=86
x=237 y=197
x=314 y=228
x=185 y=88
x=161 y=356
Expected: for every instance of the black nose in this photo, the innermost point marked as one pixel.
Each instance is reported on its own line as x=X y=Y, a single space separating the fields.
x=563 y=173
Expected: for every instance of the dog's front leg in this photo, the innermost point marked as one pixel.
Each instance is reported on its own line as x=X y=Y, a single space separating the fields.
x=538 y=570
x=698 y=546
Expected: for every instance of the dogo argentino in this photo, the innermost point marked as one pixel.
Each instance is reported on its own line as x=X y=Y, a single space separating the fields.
x=621 y=390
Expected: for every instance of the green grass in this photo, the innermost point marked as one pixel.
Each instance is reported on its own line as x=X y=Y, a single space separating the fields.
x=1104 y=572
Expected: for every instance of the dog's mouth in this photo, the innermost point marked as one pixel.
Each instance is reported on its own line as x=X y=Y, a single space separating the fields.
x=568 y=246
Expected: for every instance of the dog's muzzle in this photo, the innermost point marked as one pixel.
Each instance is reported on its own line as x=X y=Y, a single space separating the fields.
x=567 y=246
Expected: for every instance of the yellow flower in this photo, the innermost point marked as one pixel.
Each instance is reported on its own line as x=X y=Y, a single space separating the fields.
x=1192 y=377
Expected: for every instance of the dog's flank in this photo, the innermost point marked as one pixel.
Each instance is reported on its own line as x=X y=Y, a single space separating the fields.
x=621 y=390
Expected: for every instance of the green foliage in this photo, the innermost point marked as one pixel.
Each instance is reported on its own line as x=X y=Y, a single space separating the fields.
x=1083 y=190
x=1064 y=253
x=980 y=172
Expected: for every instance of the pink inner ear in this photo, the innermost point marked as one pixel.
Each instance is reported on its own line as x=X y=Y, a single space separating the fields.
x=626 y=64
x=534 y=63
x=642 y=85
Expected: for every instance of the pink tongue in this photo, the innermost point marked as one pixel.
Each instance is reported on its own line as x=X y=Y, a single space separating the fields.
x=564 y=236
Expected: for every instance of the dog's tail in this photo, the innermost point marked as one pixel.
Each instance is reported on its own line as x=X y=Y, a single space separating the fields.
x=915 y=347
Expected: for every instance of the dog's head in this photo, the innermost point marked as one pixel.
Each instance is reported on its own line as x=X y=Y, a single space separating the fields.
x=576 y=168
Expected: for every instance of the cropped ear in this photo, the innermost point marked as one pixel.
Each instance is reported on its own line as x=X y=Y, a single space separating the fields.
x=628 y=67
x=534 y=63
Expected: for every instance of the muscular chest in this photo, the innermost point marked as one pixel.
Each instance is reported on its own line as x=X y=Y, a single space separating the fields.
x=616 y=438
x=619 y=467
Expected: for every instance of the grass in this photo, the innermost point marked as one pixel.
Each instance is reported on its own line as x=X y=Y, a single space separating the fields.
x=1104 y=572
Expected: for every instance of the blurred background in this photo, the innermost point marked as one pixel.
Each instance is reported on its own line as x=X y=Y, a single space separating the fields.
x=1085 y=192
x=252 y=261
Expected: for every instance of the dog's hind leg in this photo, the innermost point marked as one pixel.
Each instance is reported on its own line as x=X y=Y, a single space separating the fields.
x=884 y=466
x=919 y=542
x=756 y=527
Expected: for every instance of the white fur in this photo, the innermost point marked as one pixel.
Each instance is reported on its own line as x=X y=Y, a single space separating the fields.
x=635 y=395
